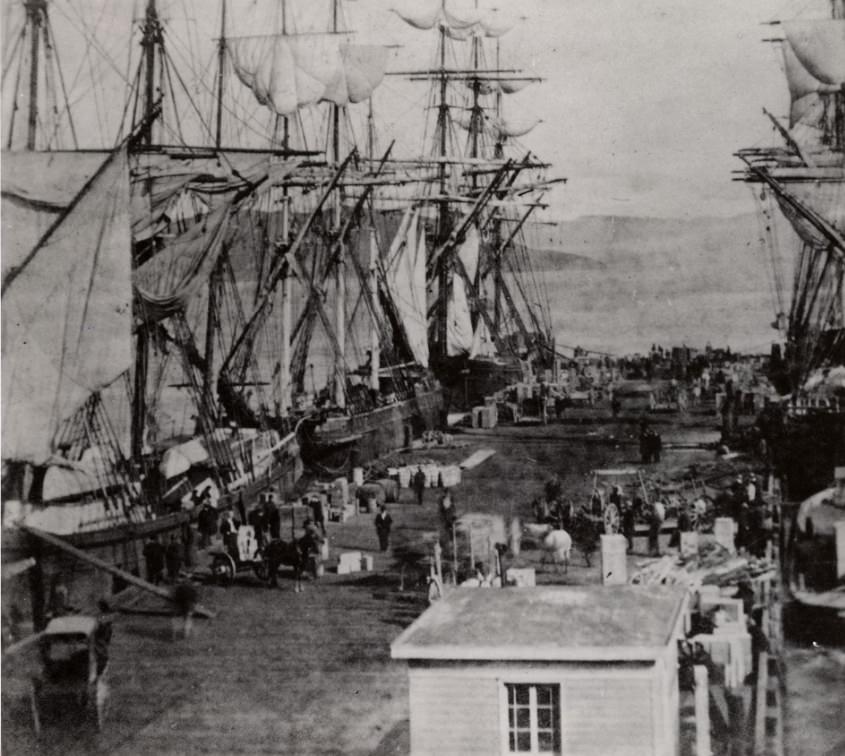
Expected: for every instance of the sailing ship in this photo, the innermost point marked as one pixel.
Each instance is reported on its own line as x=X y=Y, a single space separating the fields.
x=490 y=317
x=213 y=262
x=342 y=258
x=103 y=250
x=804 y=180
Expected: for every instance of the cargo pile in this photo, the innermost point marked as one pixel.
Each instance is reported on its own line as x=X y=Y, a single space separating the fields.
x=711 y=564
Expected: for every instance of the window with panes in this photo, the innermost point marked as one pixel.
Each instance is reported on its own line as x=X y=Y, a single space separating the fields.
x=533 y=718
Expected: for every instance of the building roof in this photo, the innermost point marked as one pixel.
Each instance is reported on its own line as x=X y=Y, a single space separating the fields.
x=546 y=623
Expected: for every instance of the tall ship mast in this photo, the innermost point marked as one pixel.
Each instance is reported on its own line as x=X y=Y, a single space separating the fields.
x=490 y=317
x=803 y=179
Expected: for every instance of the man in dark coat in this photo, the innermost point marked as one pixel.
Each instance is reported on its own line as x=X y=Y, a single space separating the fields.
x=154 y=558
x=256 y=519
x=419 y=485
x=173 y=558
x=273 y=518
x=318 y=513
x=383 y=523
x=628 y=524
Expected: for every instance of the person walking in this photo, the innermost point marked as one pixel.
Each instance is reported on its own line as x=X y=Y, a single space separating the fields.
x=383 y=523
x=419 y=484
x=188 y=541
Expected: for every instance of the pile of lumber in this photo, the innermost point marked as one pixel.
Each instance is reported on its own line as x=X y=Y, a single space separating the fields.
x=712 y=565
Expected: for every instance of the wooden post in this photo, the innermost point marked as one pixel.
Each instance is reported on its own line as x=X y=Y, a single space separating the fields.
x=702 y=711
x=760 y=704
x=128 y=577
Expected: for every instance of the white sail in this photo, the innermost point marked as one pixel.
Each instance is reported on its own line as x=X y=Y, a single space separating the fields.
x=820 y=46
x=286 y=73
x=67 y=315
x=169 y=279
x=506 y=127
x=807 y=110
x=36 y=188
x=459 y=331
x=482 y=343
x=406 y=276
x=436 y=13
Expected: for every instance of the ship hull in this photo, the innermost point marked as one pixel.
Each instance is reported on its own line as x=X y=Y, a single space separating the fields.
x=467 y=381
x=343 y=443
x=807 y=449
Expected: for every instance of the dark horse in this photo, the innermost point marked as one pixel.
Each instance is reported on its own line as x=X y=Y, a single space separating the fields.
x=299 y=554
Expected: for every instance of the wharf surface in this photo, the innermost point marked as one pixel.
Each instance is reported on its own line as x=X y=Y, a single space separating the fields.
x=309 y=673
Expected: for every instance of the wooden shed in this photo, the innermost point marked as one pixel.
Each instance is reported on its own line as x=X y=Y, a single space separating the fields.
x=585 y=670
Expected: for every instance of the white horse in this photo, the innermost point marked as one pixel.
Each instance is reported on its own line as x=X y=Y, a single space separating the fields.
x=554 y=543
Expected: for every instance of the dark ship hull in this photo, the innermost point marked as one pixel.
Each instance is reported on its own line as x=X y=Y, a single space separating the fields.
x=467 y=381
x=335 y=444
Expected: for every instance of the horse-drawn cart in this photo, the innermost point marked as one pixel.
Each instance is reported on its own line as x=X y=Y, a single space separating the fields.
x=612 y=490
x=240 y=553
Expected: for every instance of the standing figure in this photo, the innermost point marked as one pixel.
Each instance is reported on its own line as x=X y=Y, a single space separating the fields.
x=173 y=558
x=256 y=519
x=658 y=514
x=154 y=558
x=188 y=540
x=418 y=483
x=383 y=523
x=447 y=510
x=628 y=524
x=318 y=513
x=184 y=598
x=273 y=518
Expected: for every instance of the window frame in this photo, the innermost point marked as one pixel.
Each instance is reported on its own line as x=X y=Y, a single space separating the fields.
x=532 y=682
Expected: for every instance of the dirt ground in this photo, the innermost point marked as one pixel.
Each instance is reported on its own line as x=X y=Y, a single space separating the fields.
x=310 y=673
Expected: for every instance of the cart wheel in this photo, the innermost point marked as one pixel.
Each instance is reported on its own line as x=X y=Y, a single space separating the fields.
x=261 y=568
x=610 y=516
x=223 y=569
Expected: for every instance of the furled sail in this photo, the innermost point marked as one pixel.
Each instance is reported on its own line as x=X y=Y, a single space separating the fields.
x=820 y=46
x=808 y=109
x=512 y=128
x=286 y=73
x=67 y=315
x=489 y=24
x=405 y=272
x=167 y=281
x=459 y=331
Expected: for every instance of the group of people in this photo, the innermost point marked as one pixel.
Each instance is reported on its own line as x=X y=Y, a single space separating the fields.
x=651 y=445
x=751 y=513
x=164 y=561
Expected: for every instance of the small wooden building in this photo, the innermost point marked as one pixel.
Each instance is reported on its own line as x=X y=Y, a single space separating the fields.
x=585 y=670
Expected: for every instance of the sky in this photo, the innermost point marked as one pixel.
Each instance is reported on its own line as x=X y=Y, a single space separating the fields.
x=643 y=102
